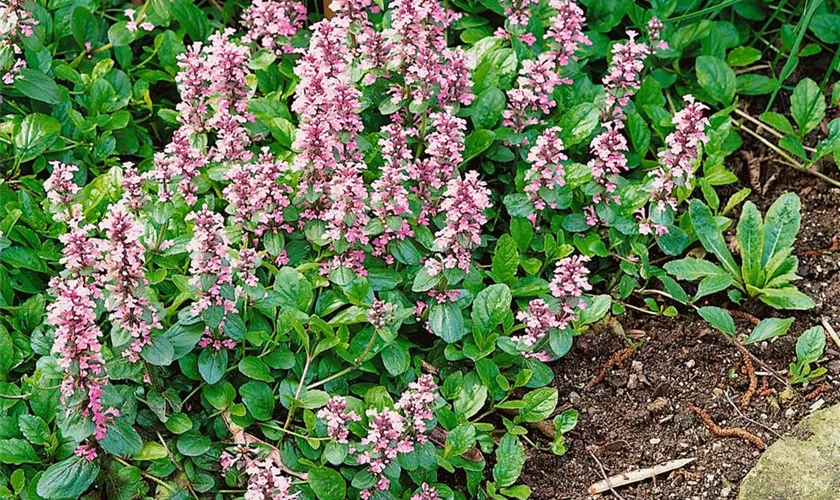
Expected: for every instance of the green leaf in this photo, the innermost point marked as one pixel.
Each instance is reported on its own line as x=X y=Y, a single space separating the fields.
x=36 y=85
x=17 y=451
x=119 y=36
x=690 y=269
x=777 y=121
x=781 y=226
x=490 y=307
x=212 y=364
x=706 y=228
x=487 y=108
x=258 y=398
x=121 y=438
x=34 y=429
x=807 y=106
x=160 y=352
x=510 y=457
x=179 y=423
x=447 y=322
x=751 y=241
x=193 y=444
x=67 y=479
x=769 y=328
x=314 y=399
x=712 y=284
x=810 y=345
x=423 y=281
x=460 y=439
x=716 y=78
x=255 y=368
x=505 y=261
x=85 y=27
x=293 y=289
x=327 y=484
x=743 y=56
x=786 y=298
x=596 y=310
x=538 y=405
x=396 y=358
x=719 y=319
x=35 y=134
x=578 y=123
x=151 y=451
x=477 y=142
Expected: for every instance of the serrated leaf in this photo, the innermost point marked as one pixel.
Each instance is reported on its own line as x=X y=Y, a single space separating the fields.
x=708 y=232
x=510 y=457
x=786 y=298
x=490 y=307
x=751 y=241
x=810 y=345
x=538 y=405
x=505 y=259
x=807 y=106
x=67 y=479
x=781 y=226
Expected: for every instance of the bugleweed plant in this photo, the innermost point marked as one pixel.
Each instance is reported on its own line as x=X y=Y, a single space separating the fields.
x=345 y=268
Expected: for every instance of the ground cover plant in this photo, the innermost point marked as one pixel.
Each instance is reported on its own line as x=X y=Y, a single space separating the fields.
x=281 y=250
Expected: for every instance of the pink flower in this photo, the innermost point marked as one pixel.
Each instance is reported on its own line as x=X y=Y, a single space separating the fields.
x=265 y=477
x=60 y=187
x=518 y=13
x=17 y=23
x=211 y=270
x=86 y=451
x=381 y=313
x=132 y=25
x=463 y=204
x=538 y=320
x=570 y=278
x=257 y=195
x=271 y=24
x=337 y=417
x=132 y=185
x=546 y=171
x=389 y=199
x=179 y=162
x=123 y=262
x=566 y=30
x=426 y=493
x=677 y=160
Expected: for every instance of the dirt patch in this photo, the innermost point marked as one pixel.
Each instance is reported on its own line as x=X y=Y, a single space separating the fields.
x=639 y=415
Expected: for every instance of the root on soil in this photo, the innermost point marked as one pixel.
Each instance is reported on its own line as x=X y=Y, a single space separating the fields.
x=616 y=359
x=729 y=431
x=748 y=367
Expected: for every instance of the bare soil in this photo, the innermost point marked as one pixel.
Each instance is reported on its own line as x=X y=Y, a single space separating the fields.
x=639 y=415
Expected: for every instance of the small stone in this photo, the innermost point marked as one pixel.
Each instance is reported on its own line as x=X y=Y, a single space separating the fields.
x=658 y=405
x=690 y=363
x=724 y=493
x=655 y=441
x=789 y=413
x=786 y=395
x=834 y=366
x=717 y=392
x=574 y=398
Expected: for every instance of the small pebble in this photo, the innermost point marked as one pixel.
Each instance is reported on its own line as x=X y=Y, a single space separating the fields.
x=725 y=492
x=574 y=398
x=690 y=363
x=655 y=441
x=789 y=413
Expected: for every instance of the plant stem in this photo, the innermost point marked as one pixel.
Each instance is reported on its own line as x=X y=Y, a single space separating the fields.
x=358 y=363
x=791 y=161
x=146 y=475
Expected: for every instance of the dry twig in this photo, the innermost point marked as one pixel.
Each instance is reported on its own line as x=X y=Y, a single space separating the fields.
x=606 y=479
x=830 y=329
x=748 y=419
x=748 y=367
x=616 y=359
x=635 y=476
x=729 y=431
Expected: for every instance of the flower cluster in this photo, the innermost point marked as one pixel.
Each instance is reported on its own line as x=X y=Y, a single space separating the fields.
x=677 y=159
x=336 y=415
x=537 y=79
x=73 y=313
x=419 y=51
x=17 y=22
x=390 y=431
x=426 y=493
x=546 y=171
x=265 y=477
x=463 y=203
x=123 y=260
x=569 y=282
x=211 y=273
x=272 y=24
x=132 y=25
x=257 y=196
x=381 y=313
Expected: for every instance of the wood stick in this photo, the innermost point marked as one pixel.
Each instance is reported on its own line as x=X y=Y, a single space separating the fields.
x=830 y=330
x=637 y=475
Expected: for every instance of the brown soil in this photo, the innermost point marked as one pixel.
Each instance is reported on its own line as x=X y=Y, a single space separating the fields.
x=639 y=415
